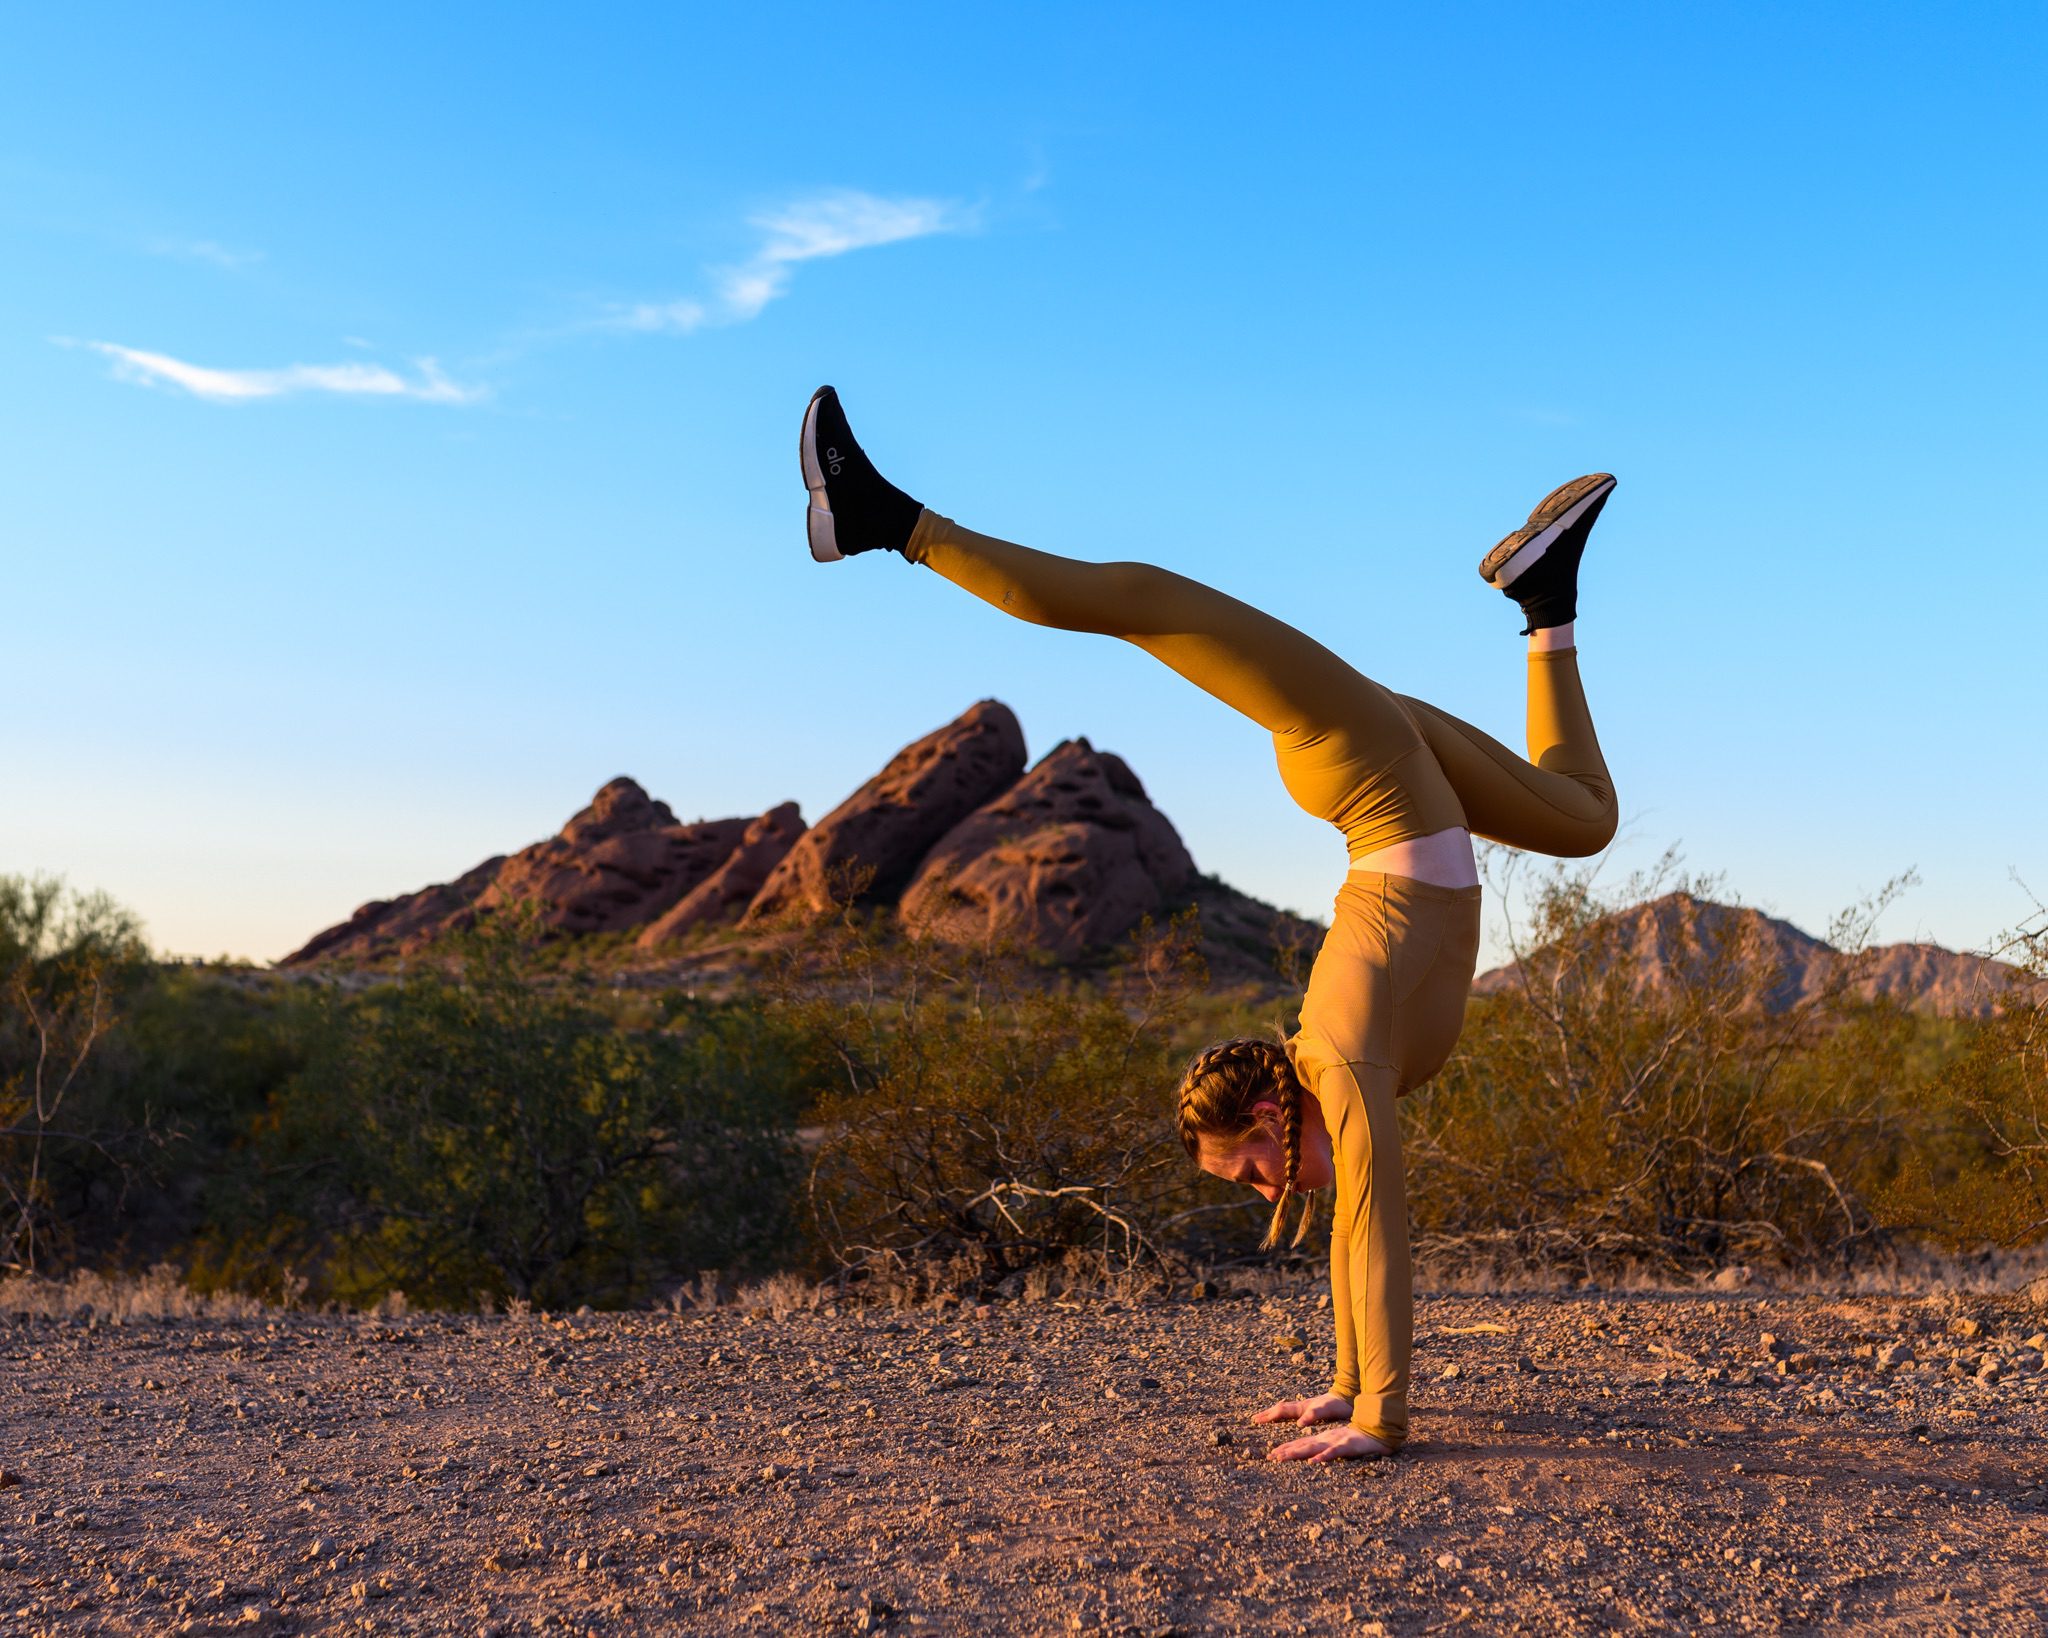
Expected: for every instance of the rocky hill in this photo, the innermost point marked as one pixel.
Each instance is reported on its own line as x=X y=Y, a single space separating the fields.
x=955 y=836
x=1677 y=932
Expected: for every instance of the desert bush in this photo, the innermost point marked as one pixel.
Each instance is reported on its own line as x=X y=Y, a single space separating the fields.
x=1592 y=1117
x=66 y=961
x=980 y=1115
x=473 y=1131
x=1980 y=1173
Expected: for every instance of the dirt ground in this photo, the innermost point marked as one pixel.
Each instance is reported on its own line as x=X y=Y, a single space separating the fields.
x=1582 y=1462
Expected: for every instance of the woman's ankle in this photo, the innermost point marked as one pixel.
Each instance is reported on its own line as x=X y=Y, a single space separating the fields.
x=1548 y=639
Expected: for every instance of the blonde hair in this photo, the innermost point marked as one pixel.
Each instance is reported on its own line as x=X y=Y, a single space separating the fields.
x=1218 y=1090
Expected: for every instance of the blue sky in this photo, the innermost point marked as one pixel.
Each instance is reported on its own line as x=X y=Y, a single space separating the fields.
x=397 y=415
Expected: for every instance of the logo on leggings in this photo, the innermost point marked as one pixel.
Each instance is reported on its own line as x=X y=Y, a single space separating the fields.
x=833 y=461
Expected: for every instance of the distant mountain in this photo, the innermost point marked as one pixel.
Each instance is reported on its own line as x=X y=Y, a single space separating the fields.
x=1667 y=934
x=955 y=836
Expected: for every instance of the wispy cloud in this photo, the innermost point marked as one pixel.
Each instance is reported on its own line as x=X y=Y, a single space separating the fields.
x=428 y=384
x=806 y=230
x=204 y=250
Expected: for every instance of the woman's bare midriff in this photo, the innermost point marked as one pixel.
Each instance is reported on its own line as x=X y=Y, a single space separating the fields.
x=1444 y=858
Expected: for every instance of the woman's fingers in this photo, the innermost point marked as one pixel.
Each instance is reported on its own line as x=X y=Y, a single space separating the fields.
x=1330 y=1447
x=1288 y=1410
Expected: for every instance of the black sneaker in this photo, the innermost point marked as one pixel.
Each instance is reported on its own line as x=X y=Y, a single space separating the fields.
x=1538 y=565
x=853 y=507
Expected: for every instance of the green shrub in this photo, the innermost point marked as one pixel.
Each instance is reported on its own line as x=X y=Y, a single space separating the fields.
x=478 y=1132
x=1980 y=1174
x=67 y=961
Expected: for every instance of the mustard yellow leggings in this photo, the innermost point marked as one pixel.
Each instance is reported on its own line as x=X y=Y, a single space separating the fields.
x=1381 y=767
x=1386 y=998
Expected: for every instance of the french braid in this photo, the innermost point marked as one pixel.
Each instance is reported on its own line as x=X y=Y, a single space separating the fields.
x=1217 y=1092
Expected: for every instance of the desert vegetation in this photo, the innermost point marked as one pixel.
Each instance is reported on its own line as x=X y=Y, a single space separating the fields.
x=511 y=1121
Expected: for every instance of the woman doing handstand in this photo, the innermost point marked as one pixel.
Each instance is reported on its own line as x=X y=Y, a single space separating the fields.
x=1407 y=784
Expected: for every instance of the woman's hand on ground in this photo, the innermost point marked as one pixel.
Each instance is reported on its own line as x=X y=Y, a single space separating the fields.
x=1325 y=1407
x=1332 y=1445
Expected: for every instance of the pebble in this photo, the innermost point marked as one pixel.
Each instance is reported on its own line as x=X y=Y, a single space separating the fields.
x=1290 y=1341
x=1449 y=1561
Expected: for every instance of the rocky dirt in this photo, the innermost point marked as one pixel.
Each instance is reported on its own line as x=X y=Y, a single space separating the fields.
x=1582 y=1462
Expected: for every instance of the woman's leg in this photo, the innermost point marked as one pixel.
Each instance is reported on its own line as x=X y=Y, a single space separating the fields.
x=1347 y=748
x=1560 y=800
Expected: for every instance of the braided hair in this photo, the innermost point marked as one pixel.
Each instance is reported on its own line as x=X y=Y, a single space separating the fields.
x=1217 y=1092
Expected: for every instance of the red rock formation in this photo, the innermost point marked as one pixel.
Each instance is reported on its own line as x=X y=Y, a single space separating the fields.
x=621 y=862
x=1065 y=860
x=618 y=864
x=398 y=924
x=891 y=822
x=724 y=895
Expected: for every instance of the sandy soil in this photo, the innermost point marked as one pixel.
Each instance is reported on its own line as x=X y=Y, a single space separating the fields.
x=1582 y=1463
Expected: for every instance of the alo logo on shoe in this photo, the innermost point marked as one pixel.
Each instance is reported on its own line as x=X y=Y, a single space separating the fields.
x=833 y=461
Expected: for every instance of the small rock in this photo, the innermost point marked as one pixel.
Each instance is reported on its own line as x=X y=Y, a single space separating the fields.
x=1988 y=1372
x=1289 y=1341
x=8 y=1478
x=1774 y=1345
x=1449 y=1561
x=1733 y=1278
x=1964 y=1328
x=1526 y=1365
x=774 y=1471
x=1894 y=1354
x=1450 y=1372
x=1220 y=1437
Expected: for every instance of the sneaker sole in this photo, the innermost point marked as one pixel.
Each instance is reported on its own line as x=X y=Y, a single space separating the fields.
x=818 y=525
x=1507 y=562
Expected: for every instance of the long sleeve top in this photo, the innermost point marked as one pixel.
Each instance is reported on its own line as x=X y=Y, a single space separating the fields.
x=1385 y=1002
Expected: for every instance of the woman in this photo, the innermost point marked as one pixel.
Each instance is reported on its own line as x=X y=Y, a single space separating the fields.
x=1407 y=784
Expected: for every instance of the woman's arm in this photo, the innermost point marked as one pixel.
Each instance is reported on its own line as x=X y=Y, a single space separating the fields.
x=1370 y=1289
